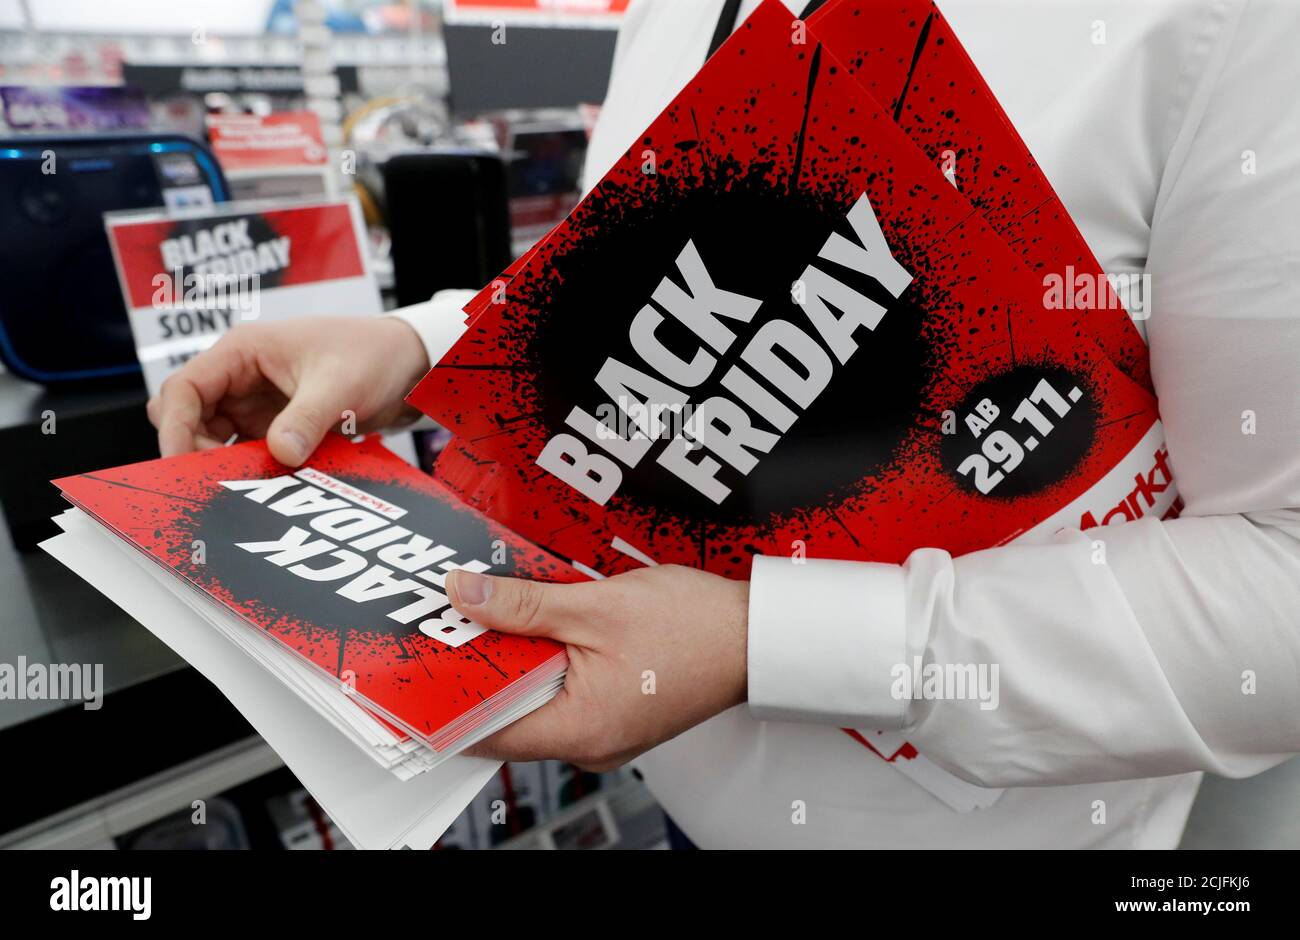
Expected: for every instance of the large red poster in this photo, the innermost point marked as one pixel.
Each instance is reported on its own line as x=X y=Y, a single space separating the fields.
x=776 y=326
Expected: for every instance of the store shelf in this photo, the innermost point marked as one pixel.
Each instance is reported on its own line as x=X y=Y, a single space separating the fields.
x=96 y=823
x=628 y=813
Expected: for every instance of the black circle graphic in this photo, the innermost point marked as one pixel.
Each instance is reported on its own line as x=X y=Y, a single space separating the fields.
x=1045 y=459
x=754 y=240
x=231 y=518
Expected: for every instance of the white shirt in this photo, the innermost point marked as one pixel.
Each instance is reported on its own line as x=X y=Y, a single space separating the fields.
x=1176 y=147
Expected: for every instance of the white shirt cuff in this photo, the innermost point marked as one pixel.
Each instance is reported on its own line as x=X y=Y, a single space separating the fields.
x=439 y=322
x=824 y=639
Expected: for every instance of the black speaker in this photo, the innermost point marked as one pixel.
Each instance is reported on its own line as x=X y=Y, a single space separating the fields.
x=449 y=218
x=62 y=318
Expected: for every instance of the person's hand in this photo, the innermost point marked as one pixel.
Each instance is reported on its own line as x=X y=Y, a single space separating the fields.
x=651 y=654
x=291 y=383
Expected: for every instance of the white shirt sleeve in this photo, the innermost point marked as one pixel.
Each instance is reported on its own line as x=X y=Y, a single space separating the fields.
x=439 y=321
x=1181 y=650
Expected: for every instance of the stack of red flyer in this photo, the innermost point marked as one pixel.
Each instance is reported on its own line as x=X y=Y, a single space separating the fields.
x=809 y=314
x=331 y=579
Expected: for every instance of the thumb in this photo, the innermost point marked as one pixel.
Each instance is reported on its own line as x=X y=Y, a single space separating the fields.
x=316 y=407
x=512 y=605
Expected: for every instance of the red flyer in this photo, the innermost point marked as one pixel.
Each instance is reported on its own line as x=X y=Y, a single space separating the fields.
x=907 y=56
x=775 y=327
x=342 y=562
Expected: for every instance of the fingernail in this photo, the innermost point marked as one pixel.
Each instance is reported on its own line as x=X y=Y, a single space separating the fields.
x=296 y=443
x=472 y=589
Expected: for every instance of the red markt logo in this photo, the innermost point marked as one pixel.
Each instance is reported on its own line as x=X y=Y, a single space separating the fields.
x=1144 y=496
